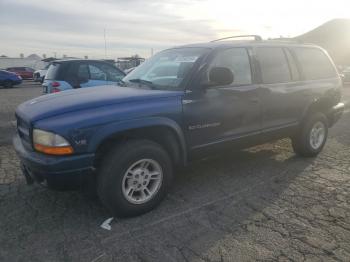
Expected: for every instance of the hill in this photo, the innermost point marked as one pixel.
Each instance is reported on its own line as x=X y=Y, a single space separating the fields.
x=334 y=36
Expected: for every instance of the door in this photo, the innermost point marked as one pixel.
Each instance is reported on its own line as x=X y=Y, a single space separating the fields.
x=114 y=75
x=82 y=78
x=281 y=90
x=218 y=114
x=95 y=75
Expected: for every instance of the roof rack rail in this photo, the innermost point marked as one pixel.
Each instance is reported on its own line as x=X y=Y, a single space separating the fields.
x=287 y=40
x=256 y=37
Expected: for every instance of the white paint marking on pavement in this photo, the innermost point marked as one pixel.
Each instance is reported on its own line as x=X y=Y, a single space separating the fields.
x=97 y=258
x=107 y=223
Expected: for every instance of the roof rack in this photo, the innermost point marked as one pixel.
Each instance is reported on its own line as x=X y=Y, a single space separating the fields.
x=256 y=37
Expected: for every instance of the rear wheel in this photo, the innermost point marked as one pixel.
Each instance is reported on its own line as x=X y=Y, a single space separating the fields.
x=134 y=178
x=310 y=140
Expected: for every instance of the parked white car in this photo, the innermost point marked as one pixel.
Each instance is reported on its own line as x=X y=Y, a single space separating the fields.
x=39 y=75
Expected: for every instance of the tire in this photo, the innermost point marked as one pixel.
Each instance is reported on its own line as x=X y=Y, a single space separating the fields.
x=121 y=173
x=309 y=142
x=8 y=84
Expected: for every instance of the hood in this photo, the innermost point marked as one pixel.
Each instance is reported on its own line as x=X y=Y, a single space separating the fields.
x=85 y=98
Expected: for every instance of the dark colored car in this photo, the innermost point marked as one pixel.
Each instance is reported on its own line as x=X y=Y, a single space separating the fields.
x=65 y=75
x=9 y=79
x=181 y=104
x=24 y=72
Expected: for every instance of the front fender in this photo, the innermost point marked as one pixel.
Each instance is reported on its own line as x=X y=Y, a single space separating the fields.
x=112 y=129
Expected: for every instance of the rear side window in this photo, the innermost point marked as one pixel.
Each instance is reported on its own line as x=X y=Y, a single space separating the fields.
x=52 y=72
x=314 y=63
x=237 y=60
x=273 y=65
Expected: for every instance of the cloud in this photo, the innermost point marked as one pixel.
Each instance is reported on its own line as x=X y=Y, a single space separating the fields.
x=133 y=26
x=76 y=27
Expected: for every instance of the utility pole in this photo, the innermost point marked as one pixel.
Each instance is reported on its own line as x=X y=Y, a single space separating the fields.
x=104 y=35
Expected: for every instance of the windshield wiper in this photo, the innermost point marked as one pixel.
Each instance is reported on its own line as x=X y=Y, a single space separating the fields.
x=142 y=81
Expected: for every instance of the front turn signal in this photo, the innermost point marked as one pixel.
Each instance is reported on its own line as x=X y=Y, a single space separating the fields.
x=50 y=150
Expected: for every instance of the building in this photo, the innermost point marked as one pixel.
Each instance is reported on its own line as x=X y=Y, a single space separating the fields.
x=33 y=61
x=128 y=62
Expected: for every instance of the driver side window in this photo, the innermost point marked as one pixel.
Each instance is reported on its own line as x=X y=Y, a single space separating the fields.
x=237 y=60
x=96 y=73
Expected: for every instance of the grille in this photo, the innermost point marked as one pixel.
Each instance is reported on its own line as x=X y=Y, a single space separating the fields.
x=23 y=130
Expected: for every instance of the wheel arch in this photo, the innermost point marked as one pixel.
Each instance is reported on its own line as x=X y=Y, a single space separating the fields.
x=321 y=105
x=163 y=131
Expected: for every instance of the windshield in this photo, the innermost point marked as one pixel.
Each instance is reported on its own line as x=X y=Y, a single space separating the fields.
x=167 y=69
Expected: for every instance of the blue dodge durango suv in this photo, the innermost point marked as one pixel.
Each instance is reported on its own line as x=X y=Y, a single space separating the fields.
x=180 y=104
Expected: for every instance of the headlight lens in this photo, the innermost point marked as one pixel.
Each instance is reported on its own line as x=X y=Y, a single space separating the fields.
x=51 y=143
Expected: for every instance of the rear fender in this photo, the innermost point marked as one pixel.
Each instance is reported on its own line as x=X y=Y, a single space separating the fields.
x=321 y=105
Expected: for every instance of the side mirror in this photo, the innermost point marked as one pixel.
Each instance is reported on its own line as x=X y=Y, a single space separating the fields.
x=219 y=76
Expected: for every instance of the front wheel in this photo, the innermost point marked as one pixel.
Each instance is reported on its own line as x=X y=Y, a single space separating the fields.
x=36 y=77
x=134 y=177
x=8 y=84
x=310 y=140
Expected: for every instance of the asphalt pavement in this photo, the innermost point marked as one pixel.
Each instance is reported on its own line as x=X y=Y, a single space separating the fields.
x=259 y=204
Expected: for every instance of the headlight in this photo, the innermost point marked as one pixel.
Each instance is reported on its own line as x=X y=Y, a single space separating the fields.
x=50 y=143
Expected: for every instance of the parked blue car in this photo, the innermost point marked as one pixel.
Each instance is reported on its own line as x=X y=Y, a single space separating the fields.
x=9 y=79
x=69 y=74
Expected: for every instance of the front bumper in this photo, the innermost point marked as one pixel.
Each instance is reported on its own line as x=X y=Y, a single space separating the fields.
x=17 y=82
x=64 y=169
x=335 y=113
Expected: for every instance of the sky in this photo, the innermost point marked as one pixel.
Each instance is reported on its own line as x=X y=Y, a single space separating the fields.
x=76 y=27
